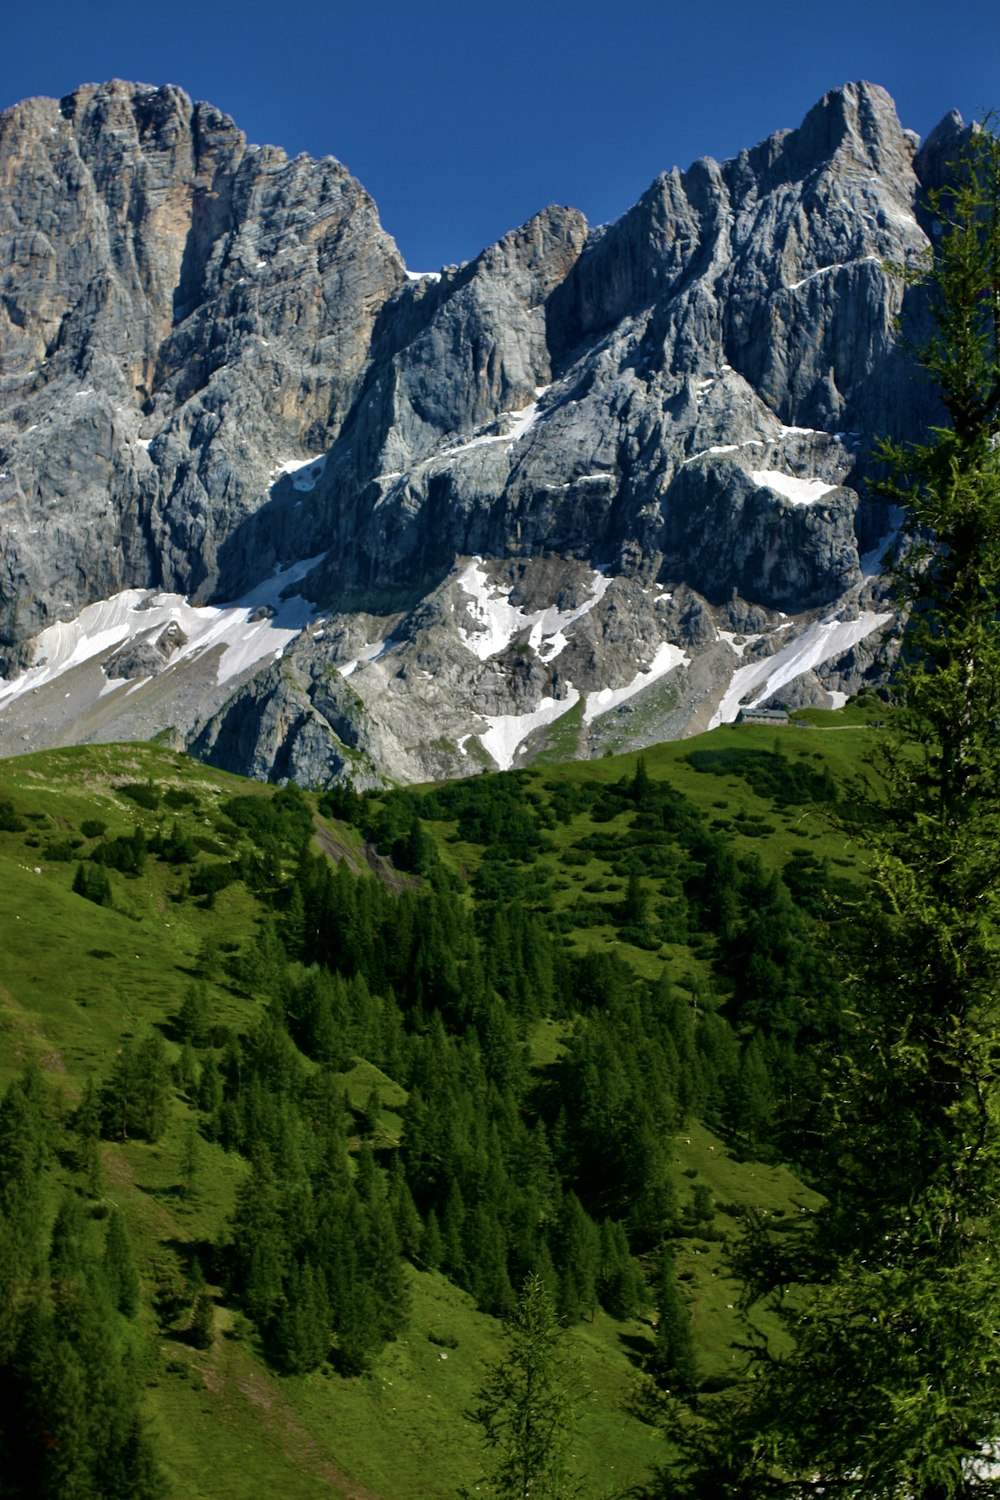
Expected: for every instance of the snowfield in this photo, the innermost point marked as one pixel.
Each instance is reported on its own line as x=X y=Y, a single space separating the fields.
x=798 y=491
x=822 y=641
x=499 y=621
x=101 y=628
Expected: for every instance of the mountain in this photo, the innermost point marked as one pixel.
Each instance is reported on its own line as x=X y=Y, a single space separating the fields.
x=268 y=495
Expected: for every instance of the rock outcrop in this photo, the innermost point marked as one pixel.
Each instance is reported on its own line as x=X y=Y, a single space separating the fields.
x=181 y=315
x=556 y=497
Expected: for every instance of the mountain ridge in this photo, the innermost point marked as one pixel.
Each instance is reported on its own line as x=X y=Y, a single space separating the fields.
x=216 y=365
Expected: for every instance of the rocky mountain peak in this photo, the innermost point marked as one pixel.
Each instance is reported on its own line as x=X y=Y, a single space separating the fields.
x=857 y=124
x=564 y=494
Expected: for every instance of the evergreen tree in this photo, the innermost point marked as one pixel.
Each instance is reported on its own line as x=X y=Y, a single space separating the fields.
x=578 y=1260
x=203 y=1320
x=259 y=1243
x=120 y=1275
x=92 y=882
x=409 y=1230
x=87 y=1125
x=619 y=1283
x=210 y=1095
x=302 y=1327
x=753 y=1103
x=194 y=1018
x=24 y=1143
x=69 y=1389
x=673 y=1360
x=525 y=1408
x=190 y=1155
x=134 y=1099
x=890 y=1387
x=432 y=1245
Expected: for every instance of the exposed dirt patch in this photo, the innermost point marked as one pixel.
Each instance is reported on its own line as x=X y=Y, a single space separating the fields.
x=366 y=859
x=28 y=1036
x=275 y=1412
x=337 y=849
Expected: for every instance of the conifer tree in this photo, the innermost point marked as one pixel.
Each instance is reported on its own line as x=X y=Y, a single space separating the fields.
x=578 y=1257
x=203 y=1320
x=431 y=1245
x=190 y=1159
x=302 y=1326
x=134 y=1099
x=120 y=1274
x=23 y=1152
x=210 y=1095
x=673 y=1359
x=526 y=1406
x=890 y=1386
x=87 y=1125
x=193 y=1018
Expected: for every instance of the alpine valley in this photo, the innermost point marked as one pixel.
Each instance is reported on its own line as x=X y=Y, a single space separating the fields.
x=268 y=496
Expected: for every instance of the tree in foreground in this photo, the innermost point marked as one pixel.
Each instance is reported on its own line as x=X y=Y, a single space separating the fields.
x=891 y=1289
x=525 y=1408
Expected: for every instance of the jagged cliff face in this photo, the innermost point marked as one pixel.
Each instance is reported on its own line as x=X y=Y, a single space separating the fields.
x=181 y=314
x=586 y=491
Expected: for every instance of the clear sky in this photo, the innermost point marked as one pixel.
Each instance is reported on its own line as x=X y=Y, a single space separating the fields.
x=464 y=117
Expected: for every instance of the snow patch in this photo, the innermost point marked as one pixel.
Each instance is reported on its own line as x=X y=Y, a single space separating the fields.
x=423 y=275
x=871 y=562
x=738 y=647
x=839 y=265
x=725 y=448
x=500 y=621
x=752 y=685
x=666 y=659
x=368 y=653
x=798 y=491
x=522 y=420
x=100 y=628
x=507 y=732
x=306 y=471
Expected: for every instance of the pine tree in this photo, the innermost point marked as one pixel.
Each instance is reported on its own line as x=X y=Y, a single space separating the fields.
x=578 y=1258
x=302 y=1328
x=203 y=1320
x=210 y=1095
x=87 y=1125
x=134 y=1099
x=431 y=1245
x=526 y=1406
x=673 y=1360
x=619 y=1283
x=194 y=1018
x=120 y=1274
x=23 y=1153
x=190 y=1159
x=890 y=1387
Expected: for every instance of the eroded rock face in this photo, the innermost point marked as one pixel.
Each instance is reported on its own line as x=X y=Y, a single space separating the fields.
x=180 y=315
x=560 y=494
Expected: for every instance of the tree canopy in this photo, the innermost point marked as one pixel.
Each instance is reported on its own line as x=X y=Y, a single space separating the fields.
x=889 y=1292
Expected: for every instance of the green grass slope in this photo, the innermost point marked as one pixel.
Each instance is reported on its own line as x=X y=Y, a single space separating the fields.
x=79 y=979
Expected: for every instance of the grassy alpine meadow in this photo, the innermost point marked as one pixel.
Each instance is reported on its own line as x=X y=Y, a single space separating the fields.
x=415 y=1054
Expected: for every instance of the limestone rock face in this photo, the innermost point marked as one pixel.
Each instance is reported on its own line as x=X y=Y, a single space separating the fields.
x=577 y=494
x=181 y=314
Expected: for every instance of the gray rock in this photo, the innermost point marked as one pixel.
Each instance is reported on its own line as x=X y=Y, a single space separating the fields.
x=653 y=435
x=182 y=314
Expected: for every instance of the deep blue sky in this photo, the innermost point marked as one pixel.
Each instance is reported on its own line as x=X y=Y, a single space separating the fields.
x=464 y=117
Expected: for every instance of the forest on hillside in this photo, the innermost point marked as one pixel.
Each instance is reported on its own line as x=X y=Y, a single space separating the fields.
x=473 y=1153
